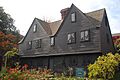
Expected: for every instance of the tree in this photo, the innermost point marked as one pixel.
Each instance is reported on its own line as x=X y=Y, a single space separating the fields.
x=104 y=67
x=9 y=35
x=6 y=22
x=6 y=42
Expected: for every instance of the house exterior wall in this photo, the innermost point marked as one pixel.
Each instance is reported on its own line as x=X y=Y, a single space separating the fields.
x=32 y=36
x=106 y=36
x=81 y=24
x=63 y=55
x=61 y=63
x=61 y=46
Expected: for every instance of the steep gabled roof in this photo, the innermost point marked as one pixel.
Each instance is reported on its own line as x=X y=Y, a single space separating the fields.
x=52 y=28
x=97 y=15
x=45 y=26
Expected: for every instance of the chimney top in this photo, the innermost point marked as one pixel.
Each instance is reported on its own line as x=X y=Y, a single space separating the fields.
x=64 y=12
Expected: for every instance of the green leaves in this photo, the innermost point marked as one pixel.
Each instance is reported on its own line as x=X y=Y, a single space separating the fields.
x=6 y=22
x=10 y=54
x=104 y=67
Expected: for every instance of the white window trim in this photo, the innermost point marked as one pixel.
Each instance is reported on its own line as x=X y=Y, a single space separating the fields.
x=52 y=41
x=85 y=35
x=35 y=28
x=73 y=35
x=73 y=17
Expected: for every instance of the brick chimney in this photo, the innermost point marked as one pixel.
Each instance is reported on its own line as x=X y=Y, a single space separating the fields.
x=64 y=12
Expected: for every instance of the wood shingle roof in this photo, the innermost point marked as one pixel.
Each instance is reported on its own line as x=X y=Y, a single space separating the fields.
x=51 y=28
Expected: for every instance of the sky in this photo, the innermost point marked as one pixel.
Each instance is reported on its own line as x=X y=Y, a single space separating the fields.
x=24 y=11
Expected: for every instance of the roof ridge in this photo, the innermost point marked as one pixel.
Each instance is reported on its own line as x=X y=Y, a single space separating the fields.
x=55 y=21
x=41 y=20
x=95 y=10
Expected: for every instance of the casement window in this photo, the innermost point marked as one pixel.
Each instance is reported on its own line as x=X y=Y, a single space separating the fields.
x=71 y=38
x=35 y=28
x=29 y=45
x=84 y=35
x=73 y=17
x=38 y=43
x=52 y=41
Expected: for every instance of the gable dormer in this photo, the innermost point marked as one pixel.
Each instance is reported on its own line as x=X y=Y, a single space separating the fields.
x=37 y=27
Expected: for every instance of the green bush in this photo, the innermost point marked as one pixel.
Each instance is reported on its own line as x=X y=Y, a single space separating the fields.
x=104 y=67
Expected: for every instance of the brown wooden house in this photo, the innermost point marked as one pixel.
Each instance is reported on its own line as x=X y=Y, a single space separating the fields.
x=74 y=41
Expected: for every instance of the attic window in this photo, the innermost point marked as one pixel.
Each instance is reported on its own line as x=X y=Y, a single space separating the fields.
x=84 y=35
x=71 y=38
x=73 y=17
x=52 y=41
x=38 y=43
x=35 y=28
x=29 y=45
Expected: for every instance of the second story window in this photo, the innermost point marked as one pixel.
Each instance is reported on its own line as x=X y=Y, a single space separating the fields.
x=84 y=35
x=29 y=45
x=38 y=43
x=35 y=28
x=73 y=17
x=52 y=41
x=71 y=38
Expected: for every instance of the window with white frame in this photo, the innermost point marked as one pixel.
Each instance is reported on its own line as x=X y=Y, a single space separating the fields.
x=73 y=17
x=29 y=45
x=52 y=41
x=71 y=38
x=84 y=35
x=38 y=43
x=35 y=28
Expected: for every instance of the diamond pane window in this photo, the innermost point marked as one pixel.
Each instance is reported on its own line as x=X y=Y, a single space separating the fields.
x=71 y=38
x=84 y=35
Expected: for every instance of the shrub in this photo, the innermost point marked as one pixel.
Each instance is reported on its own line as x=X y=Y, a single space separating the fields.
x=23 y=73
x=104 y=67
